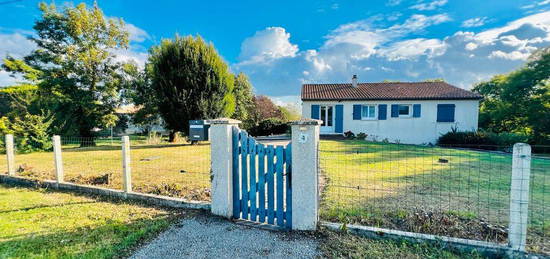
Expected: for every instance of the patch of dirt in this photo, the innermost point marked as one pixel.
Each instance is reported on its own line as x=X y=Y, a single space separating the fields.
x=103 y=179
x=28 y=171
x=176 y=190
x=437 y=223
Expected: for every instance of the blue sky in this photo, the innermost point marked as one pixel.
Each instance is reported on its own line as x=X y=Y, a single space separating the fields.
x=282 y=44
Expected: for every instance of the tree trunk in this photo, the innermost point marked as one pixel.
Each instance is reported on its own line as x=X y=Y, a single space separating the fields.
x=172 y=136
x=86 y=138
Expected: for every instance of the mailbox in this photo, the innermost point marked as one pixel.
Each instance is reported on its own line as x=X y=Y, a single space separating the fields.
x=198 y=130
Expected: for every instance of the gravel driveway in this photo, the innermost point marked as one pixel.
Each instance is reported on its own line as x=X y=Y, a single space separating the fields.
x=212 y=237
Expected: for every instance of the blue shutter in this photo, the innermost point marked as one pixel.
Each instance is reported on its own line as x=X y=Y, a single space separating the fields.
x=382 y=111
x=394 y=110
x=445 y=113
x=339 y=125
x=357 y=112
x=315 y=111
x=416 y=110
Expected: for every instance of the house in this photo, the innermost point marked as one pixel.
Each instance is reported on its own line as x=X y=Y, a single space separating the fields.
x=405 y=112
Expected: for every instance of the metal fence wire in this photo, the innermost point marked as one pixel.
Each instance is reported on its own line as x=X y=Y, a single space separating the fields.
x=459 y=191
x=157 y=167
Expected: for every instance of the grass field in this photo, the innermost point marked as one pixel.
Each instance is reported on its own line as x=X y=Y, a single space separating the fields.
x=37 y=223
x=177 y=170
x=407 y=187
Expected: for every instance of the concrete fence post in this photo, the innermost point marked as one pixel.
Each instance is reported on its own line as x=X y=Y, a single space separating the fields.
x=305 y=176
x=221 y=145
x=519 y=197
x=126 y=170
x=58 y=159
x=10 y=154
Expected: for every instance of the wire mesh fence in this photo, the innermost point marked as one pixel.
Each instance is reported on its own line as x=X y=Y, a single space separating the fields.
x=157 y=167
x=452 y=191
x=92 y=161
x=172 y=169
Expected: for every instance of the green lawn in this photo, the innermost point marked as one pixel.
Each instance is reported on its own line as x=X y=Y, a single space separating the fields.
x=407 y=187
x=37 y=223
x=177 y=170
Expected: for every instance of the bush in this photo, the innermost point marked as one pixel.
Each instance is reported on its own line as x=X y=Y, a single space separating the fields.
x=361 y=136
x=482 y=138
x=271 y=126
x=30 y=132
x=349 y=135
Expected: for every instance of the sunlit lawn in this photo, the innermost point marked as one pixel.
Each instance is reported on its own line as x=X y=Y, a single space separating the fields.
x=179 y=170
x=37 y=223
x=398 y=186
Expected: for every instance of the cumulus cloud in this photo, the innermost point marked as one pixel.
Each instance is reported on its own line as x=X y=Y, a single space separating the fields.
x=136 y=34
x=269 y=44
x=399 y=52
x=474 y=22
x=421 y=6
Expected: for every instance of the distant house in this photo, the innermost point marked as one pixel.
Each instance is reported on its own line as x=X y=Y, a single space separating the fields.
x=413 y=113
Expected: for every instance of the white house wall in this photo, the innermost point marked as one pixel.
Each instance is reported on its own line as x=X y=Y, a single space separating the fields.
x=411 y=130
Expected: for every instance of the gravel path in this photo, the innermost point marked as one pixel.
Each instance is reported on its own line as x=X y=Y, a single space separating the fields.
x=212 y=237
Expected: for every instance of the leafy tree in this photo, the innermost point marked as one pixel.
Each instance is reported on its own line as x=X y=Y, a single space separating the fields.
x=263 y=108
x=519 y=101
x=190 y=81
x=74 y=63
x=243 y=97
x=290 y=112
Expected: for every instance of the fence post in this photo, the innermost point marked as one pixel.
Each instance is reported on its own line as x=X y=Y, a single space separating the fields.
x=126 y=170
x=59 y=174
x=221 y=145
x=519 y=197
x=305 y=177
x=10 y=154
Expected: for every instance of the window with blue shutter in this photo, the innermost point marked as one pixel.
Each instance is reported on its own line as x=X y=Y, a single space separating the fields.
x=416 y=110
x=382 y=111
x=394 y=110
x=315 y=111
x=445 y=113
x=339 y=125
x=357 y=111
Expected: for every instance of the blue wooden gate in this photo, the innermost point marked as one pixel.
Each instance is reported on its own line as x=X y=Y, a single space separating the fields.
x=261 y=181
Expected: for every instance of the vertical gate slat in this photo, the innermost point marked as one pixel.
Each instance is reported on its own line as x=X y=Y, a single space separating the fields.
x=252 y=178
x=270 y=185
x=288 y=211
x=280 y=185
x=236 y=198
x=261 y=181
x=244 y=172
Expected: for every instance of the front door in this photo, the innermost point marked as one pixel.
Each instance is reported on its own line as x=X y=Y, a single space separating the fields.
x=327 y=116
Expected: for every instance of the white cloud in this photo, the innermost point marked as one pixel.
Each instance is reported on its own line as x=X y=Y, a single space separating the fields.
x=393 y=2
x=16 y=45
x=269 y=44
x=399 y=52
x=421 y=6
x=536 y=4
x=136 y=34
x=412 y=49
x=474 y=22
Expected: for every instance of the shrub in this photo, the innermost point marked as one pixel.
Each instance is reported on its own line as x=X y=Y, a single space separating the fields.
x=361 y=136
x=271 y=126
x=30 y=132
x=484 y=139
x=349 y=135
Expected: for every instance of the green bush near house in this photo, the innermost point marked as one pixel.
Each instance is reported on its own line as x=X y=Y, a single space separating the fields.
x=271 y=126
x=482 y=138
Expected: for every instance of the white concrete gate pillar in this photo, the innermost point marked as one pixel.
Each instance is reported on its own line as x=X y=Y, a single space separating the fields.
x=305 y=174
x=221 y=152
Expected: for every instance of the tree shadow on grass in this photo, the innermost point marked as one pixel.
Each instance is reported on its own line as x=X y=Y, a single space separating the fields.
x=112 y=240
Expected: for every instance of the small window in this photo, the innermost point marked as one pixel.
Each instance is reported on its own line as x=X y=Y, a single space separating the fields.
x=368 y=112
x=404 y=110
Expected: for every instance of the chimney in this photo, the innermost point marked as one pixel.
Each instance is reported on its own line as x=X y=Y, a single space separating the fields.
x=354 y=81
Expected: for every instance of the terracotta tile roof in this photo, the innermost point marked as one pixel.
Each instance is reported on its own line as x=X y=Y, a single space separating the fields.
x=387 y=91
